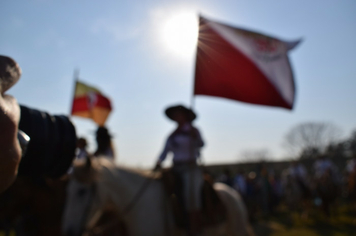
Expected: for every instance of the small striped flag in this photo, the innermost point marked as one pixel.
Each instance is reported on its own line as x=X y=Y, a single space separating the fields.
x=90 y=103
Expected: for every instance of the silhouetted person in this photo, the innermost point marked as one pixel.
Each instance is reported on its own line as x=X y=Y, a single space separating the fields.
x=265 y=190
x=185 y=143
x=327 y=182
x=239 y=184
x=351 y=178
x=299 y=174
x=325 y=168
x=351 y=164
x=104 y=144
x=226 y=178
x=81 y=152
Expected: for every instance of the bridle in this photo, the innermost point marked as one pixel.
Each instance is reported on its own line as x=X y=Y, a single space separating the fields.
x=87 y=208
x=98 y=230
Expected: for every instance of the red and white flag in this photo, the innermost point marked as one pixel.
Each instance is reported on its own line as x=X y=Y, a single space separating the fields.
x=89 y=102
x=243 y=65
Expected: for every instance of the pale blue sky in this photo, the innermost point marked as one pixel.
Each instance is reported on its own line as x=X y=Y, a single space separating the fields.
x=118 y=48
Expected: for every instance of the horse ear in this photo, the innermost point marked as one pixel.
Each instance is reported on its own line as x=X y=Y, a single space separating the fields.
x=88 y=162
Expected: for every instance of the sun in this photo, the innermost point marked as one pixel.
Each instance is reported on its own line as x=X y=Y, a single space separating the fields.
x=180 y=33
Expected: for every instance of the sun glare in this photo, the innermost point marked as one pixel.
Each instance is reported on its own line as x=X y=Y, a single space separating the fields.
x=180 y=33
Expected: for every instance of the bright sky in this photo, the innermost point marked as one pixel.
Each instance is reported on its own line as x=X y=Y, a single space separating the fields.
x=128 y=50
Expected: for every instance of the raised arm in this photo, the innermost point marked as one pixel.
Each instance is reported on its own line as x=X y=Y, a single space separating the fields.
x=166 y=149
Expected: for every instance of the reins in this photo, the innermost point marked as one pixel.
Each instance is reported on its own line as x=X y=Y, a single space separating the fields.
x=87 y=208
x=137 y=197
x=100 y=229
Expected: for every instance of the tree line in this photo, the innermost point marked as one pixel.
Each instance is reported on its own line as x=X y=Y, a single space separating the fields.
x=311 y=139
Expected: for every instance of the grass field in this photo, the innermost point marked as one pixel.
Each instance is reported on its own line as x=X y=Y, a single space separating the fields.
x=285 y=223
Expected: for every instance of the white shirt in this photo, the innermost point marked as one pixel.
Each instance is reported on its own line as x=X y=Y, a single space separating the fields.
x=181 y=143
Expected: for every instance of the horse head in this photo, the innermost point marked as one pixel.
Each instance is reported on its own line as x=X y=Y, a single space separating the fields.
x=80 y=197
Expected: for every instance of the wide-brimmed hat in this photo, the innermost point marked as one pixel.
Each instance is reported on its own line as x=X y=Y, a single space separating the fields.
x=170 y=111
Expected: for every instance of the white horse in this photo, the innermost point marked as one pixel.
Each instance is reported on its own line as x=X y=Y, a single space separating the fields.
x=140 y=202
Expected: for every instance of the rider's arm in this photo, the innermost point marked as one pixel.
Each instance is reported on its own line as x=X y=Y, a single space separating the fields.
x=166 y=149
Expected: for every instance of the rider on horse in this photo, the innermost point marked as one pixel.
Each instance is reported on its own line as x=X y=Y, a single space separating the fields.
x=104 y=144
x=185 y=143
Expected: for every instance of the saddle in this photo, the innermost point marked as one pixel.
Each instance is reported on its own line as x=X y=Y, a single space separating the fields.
x=213 y=211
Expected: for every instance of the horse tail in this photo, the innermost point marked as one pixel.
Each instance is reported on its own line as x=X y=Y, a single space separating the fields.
x=237 y=219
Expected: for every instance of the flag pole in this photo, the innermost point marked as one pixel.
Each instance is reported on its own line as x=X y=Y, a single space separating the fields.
x=191 y=143
x=75 y=78
x=192 y=101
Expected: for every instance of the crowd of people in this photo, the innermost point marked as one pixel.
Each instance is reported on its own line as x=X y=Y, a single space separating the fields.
x=297 y=186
